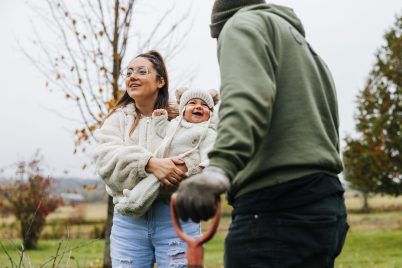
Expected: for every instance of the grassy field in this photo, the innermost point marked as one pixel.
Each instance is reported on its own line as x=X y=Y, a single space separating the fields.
x=70 y=253
x=374 y=240
x=362 y=250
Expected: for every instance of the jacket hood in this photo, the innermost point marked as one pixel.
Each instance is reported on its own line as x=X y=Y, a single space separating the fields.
x=284 y=12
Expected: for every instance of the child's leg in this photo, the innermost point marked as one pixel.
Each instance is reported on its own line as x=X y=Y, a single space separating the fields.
x=137 y=201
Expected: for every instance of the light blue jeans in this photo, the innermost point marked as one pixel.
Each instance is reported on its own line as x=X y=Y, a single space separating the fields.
x=140 y=242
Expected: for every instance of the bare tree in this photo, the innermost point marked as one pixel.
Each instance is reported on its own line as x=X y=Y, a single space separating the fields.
x=91 y=40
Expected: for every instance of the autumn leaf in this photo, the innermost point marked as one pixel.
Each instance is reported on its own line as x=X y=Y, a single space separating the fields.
x=92 y=128
x=90 y=188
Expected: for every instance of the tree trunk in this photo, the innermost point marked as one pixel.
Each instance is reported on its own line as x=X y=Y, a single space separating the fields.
x=107 y=262
x=31 y=228
x=365 y=208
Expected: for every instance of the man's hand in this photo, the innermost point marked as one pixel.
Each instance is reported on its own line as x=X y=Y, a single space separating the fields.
x=197 y=195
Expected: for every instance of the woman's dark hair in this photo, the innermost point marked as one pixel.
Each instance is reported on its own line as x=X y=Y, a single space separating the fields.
x=162 y=99
x=161 y=72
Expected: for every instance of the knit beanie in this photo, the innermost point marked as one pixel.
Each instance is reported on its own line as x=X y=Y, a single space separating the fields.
x=224 y=10
x=195 y=94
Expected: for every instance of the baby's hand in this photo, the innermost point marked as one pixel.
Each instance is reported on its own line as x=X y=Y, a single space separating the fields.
x=159 y=112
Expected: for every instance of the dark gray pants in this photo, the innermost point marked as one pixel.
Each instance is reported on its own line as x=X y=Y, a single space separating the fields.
x=310 y=236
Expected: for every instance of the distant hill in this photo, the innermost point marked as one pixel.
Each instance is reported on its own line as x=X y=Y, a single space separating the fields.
x=67 y=183
x=91 y=190
x=76 y=189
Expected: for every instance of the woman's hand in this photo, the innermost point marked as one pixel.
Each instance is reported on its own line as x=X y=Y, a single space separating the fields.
x=169 y=171
x=179 y=164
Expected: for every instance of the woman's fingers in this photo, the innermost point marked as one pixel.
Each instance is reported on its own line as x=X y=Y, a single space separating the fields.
x=179 y=175
x=173 y=180
x=170 y=179
x=177 y=161
x=181 y=168
x=167 y=182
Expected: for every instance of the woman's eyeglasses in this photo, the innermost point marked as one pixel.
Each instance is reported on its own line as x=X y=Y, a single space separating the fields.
x=140 y=70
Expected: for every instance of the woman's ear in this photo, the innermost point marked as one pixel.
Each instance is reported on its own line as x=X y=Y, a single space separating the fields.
x=161 y=82
x=179 y=93
x=215 y=95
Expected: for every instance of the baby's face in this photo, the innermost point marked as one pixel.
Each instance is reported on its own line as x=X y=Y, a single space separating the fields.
x=196 y=111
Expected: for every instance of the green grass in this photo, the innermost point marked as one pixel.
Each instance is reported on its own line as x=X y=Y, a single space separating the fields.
x=362 y=250
x=77 y=253
x=382 y=249
x=213 y=252
x=369 y=249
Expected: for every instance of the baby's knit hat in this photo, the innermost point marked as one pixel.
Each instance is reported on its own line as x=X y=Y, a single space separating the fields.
x=188 y=94
x=224 y=10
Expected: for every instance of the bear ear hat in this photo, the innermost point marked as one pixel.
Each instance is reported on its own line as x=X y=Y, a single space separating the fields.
x=215 y=95
x=179 y=93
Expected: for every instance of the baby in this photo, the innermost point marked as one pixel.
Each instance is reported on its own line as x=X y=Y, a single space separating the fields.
x=189 y=137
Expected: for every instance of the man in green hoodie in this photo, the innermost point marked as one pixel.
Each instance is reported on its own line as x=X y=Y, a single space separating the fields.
x=277 y=146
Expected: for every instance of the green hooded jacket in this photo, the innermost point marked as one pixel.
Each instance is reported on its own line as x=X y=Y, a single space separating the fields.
x=278 y=119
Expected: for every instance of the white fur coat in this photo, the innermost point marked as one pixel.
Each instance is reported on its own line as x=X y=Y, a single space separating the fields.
x=120 y=159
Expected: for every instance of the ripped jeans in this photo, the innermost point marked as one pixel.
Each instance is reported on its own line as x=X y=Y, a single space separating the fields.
x=140 y=242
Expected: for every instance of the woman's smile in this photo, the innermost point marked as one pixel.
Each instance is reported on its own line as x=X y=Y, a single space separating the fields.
x=134 y=85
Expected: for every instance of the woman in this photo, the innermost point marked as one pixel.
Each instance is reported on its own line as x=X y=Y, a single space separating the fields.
x=124 y=152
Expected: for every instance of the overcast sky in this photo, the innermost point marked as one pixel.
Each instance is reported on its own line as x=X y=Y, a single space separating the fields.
x=346 y=33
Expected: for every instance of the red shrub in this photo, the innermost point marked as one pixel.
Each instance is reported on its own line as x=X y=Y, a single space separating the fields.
x=30 y=199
